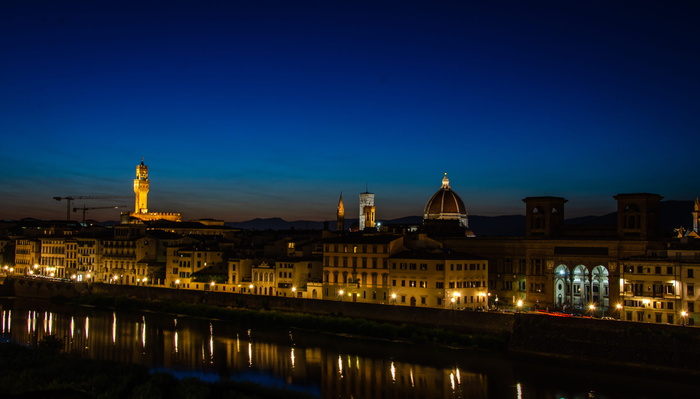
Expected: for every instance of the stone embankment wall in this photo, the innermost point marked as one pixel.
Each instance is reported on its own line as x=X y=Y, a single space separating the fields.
x=617 y=343
x=473 y=322
x=659 y=347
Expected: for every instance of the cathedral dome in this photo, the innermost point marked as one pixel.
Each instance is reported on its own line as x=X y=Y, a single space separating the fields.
x=445 y=204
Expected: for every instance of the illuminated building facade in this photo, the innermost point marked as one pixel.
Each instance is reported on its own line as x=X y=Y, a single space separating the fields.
x=89 y=258
x=356 y=268
x=52 y=262
x=402 y=270
x=294 y=276
x=27 y=256
x=185 y=262
x=660 y=287
x=438 y=278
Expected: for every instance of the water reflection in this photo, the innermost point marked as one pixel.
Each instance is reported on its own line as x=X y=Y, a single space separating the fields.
x=324 y=365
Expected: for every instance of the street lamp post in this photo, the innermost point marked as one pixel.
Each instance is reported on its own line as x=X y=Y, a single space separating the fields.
x=684 y=316
x=519 y=305
x=393 y=299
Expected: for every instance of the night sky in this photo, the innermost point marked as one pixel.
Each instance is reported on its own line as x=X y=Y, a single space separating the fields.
x=247 y=109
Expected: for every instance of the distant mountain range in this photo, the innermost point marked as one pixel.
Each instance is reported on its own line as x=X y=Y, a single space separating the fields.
x=673 y=215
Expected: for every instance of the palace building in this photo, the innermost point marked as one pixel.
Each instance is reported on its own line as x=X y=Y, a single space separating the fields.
x=141 y=188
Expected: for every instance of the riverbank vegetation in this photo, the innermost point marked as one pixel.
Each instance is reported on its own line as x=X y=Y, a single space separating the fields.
x=334 y=324
x=45 y=372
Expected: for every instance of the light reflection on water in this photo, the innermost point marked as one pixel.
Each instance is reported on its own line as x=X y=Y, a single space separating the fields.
x=323 y=365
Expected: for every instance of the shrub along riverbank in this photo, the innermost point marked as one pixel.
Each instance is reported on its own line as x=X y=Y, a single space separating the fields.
x=327 y=324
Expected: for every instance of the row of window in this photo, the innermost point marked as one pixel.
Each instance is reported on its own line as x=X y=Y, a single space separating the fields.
x=377 y=249
x=439 y=284
x=364 y=262
x=637 y=288
x=657 y=270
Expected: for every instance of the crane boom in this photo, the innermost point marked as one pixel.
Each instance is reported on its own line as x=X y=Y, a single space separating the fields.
x=70 y=198
x=85 y=209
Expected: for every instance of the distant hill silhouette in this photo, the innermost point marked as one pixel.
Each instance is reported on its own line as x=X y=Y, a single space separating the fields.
x=673 y=215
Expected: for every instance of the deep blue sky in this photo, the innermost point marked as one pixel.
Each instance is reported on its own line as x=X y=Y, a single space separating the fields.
x=248 y=109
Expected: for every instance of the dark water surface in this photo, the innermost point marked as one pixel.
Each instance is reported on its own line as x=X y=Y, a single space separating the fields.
x=325 y=366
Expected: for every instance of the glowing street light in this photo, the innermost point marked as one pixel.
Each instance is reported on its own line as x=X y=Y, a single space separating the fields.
x=684 y=315
x=341 y=292
x=519 y=304
x=393 y=298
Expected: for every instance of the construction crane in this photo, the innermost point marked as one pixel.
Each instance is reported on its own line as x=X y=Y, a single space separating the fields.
x=75 y=197
x=85 y=209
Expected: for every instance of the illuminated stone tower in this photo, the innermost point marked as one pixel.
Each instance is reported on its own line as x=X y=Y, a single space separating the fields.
x=141 y=213
x=141 y=187
x=340 y=215
x=367 y=210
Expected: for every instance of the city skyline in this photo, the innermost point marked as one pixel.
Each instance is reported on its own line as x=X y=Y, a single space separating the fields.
x=270 y=109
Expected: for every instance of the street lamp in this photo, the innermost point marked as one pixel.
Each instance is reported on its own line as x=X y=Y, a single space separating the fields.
x=591 y=307
x=619 y=310
x=341 y=292
x=684 y=315
x=250 y=288
x=519 y=305
x=393 y=298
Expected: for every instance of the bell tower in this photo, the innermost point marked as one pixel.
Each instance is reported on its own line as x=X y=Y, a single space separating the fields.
x=638 y=215
x=367 y=210
x=340 y=215
x=544 y=216
x=141 y=188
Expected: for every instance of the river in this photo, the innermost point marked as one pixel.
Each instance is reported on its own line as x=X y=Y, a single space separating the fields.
x=325 y=366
